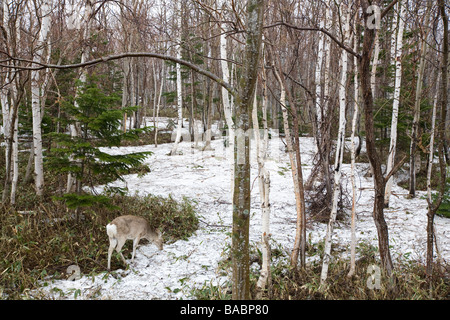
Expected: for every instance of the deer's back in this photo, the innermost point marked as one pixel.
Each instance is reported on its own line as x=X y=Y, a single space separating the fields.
x=131 y=226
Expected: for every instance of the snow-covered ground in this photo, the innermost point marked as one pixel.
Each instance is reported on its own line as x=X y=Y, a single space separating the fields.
x=204 y=176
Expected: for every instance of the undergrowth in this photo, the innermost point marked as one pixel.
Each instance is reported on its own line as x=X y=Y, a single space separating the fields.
x=45 y=238
x=408 y=282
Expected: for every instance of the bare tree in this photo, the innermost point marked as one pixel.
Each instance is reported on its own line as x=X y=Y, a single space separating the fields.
x=433 y=207
x=36 y=89
x=179 y=82
x=395 y=108
x=418 y=98
x=345 y=13
x=374 y=158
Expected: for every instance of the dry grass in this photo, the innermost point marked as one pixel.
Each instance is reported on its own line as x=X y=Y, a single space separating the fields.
x=47 y=238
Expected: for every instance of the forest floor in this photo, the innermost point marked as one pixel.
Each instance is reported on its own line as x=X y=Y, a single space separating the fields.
x=204 y=177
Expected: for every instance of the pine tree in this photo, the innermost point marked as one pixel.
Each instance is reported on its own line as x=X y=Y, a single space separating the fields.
x=82 y=156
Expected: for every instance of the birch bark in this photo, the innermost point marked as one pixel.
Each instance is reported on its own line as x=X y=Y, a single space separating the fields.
x=295 y=161
x=318 y=83
x=158 y=103
x=376 y=54
x=395 y=107
x=11 y=94
x=226 y=100
x=431 y=156
x=179 y=86
x=264 y=189
x=74 y=130
x=339 y=149
x=353 y=167
x=415 y=124
x=36 y=91
x=443 y=94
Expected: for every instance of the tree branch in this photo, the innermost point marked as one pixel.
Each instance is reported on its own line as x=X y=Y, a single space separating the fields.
x=396 y=168
x=339 y=43
x=389 y=7
x=41 y=66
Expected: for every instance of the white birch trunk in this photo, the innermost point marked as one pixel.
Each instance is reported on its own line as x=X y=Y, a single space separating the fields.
x=292 y=158
x=4 y=91
x=11 y=123
x=318 y=77
x=395 y=107
x=158 y=104
x=179 y=86
x=5 y=107
x=415 y=125
x=264 y=189
x=125 y=89
x=430 y=163
x=339 y=150
x=15 y=161
x=352 y=168
x=327 y=51
x=227 y=102
x=376 y=54
x=36 y=91
x=71 y=180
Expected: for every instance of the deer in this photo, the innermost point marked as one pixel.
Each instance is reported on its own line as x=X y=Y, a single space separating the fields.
x=130 y=227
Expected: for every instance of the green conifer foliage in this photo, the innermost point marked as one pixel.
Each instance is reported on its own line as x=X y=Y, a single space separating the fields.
x=98 y=118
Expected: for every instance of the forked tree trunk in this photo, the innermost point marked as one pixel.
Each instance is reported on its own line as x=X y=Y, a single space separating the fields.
x=297 y=176
x=322 y=101
x=374 y=158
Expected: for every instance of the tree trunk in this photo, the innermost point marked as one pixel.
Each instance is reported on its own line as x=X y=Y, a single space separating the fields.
x=227 y=104
x=74 y=128
x=374 y=158
x=415 y=124
x=376 y=55
x=36 y=99
x=241 y=195
x=395 y=107
x=430 y=213
x=179 y=86
x=353 y=167
x=264 y=189
x=158 y=103
x=339 y=149
x=11 y=95
x=433 y=207
x=322 y=100
x=297 y=176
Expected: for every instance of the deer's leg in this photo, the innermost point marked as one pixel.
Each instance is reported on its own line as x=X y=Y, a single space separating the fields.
x=135 y=244
x=112 y=245
x=120 y=243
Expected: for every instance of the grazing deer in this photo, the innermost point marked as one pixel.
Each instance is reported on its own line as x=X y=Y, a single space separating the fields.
x=130 y=227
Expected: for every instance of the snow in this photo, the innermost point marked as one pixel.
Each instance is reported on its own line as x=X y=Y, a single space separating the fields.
x=204 y=176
